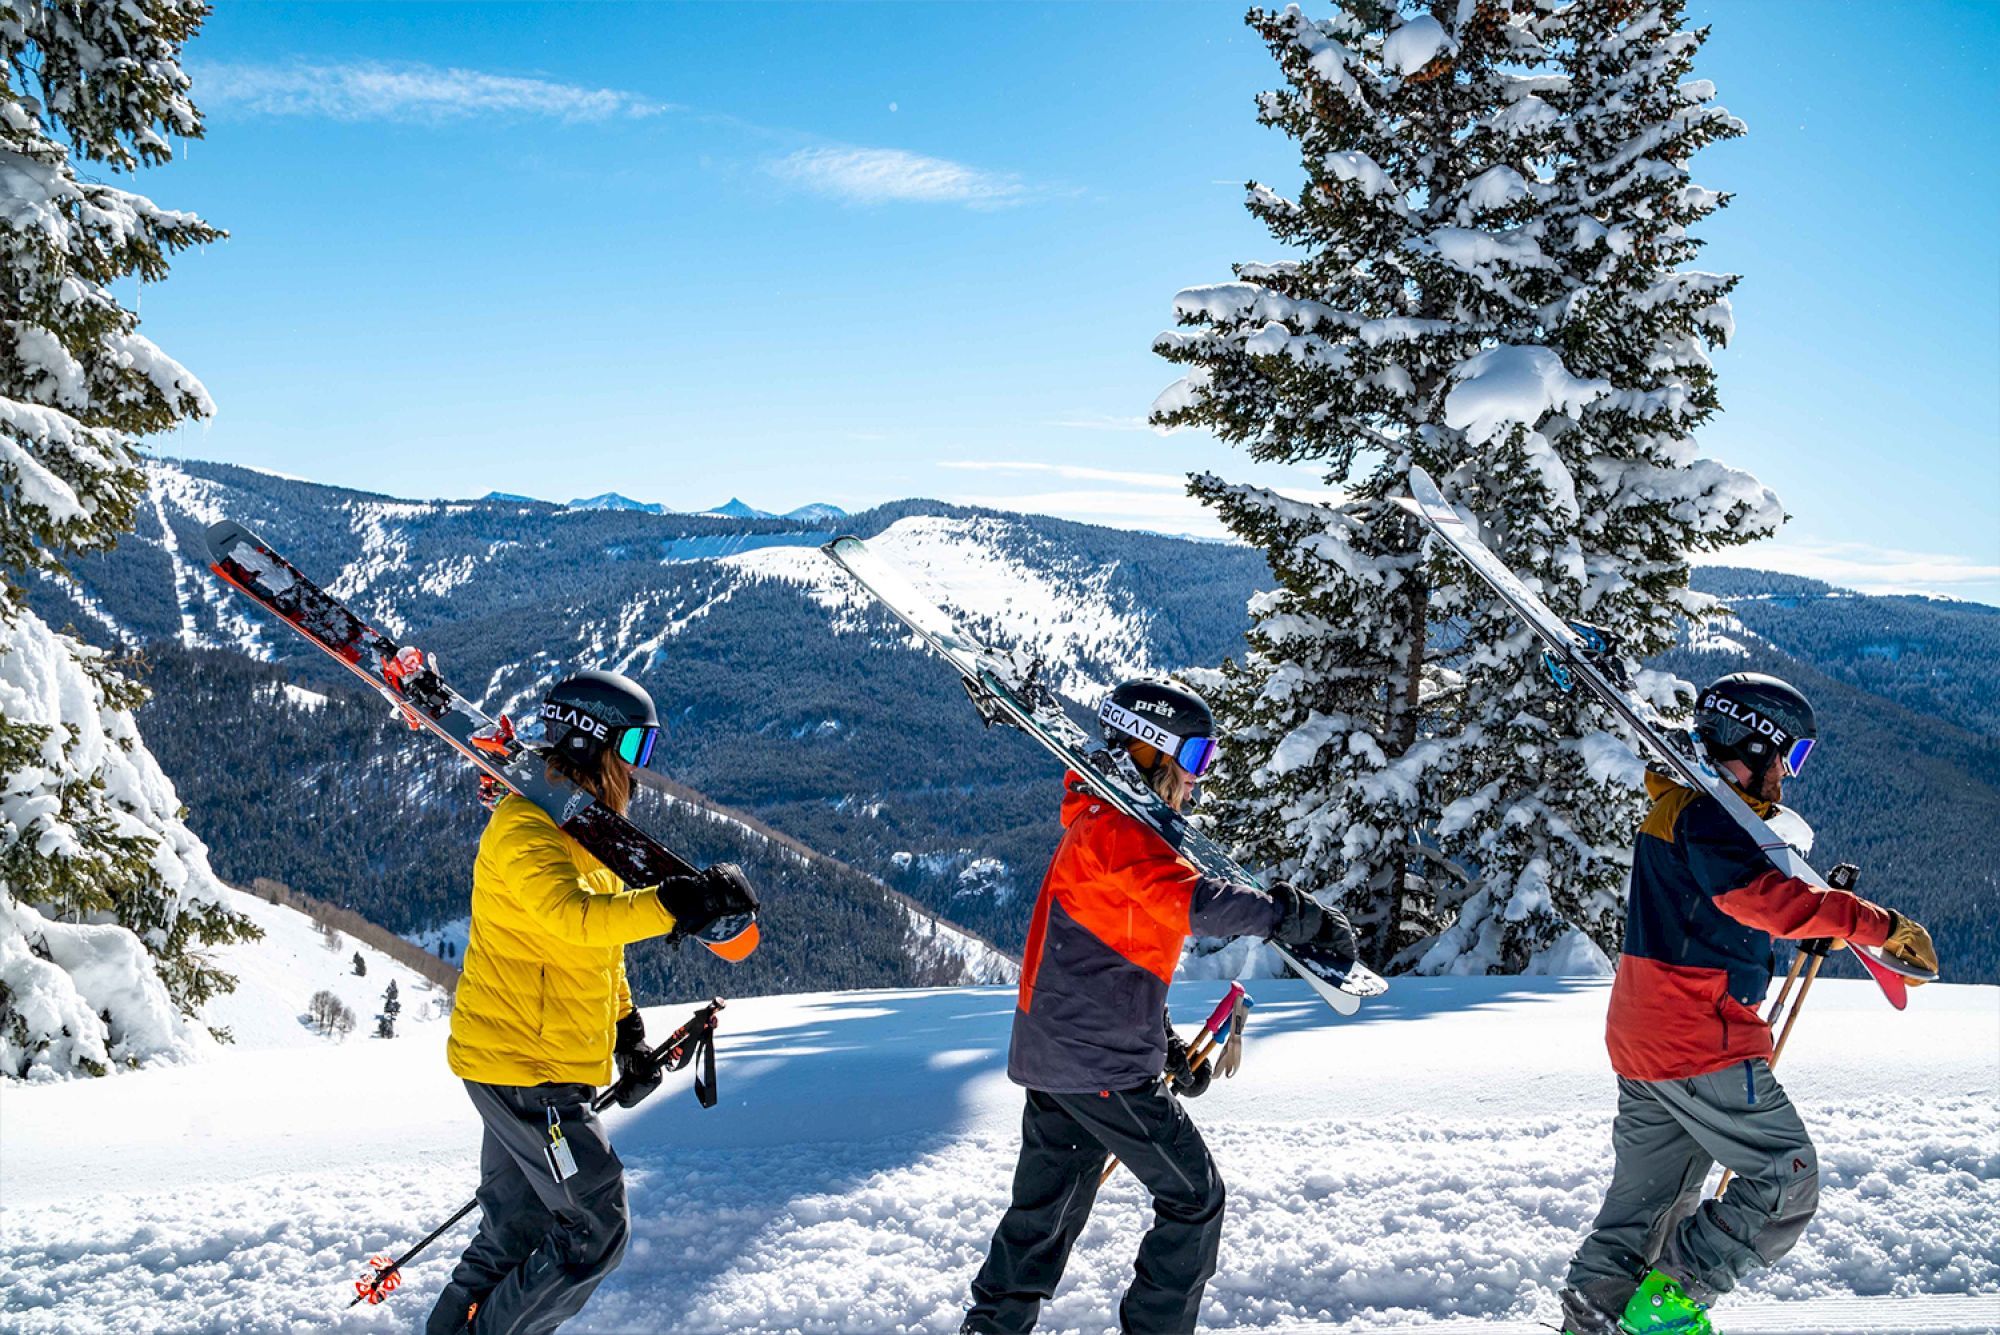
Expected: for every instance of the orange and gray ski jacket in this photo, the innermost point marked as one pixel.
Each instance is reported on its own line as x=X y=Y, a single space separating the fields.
x=1116 y=907
x=1704 y=906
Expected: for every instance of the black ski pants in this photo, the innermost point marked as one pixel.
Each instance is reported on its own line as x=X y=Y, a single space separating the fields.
x=543 y=1246
x=1064 y=1142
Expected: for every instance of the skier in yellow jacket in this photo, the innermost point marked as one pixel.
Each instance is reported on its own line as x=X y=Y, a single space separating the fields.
x=543 y=1015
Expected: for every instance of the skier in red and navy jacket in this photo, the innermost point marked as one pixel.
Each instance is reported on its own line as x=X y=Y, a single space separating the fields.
x=1091 y=1040
x=1691 y=1052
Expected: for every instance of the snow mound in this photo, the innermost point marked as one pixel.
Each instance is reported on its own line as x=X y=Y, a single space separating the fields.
x=1414 y=44
x=1504 y=385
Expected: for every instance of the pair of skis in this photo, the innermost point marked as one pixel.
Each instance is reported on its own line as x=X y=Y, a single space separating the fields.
x=410 y=682
x=1579 y=654
x=1006 y=690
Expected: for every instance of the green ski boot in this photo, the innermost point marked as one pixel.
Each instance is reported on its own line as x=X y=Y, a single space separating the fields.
x=1662 y=1307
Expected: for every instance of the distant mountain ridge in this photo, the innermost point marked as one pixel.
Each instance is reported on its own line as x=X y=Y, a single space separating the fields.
x=791 y=698
x=733 y=508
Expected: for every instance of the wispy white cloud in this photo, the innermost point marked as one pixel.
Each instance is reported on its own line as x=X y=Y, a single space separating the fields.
x=1153 y=511
x=374 y=90
x=1862 y=566
x=1105 y=422
x=894 y=175
x=1155 y=502
x=1070 y=472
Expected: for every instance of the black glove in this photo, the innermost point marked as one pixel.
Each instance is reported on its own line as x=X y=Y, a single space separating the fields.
x=1844 y=876
x=1189 y=1082
x=721 y=891
x=638 y=1074
x=1336 y=933
x=1302 y=914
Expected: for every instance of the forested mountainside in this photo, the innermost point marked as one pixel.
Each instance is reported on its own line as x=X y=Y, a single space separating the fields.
x=1912 y=798
x=790 y=697
x=1938 y=656
x=327 y=790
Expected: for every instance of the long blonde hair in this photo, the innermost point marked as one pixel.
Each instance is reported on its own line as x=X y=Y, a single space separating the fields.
x=1152 y=762
x=606 y=778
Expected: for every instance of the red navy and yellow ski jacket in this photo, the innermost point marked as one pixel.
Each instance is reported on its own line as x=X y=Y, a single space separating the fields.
x=1703 y=909
x=1115 y=909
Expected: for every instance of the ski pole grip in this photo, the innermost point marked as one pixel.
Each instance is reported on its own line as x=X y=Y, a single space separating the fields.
x=1223 y=1008
x=1819 y=945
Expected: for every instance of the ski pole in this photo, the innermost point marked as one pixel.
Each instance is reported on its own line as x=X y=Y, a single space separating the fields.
x=693 y=1040
x=1198 y=1054
x=1819 y=949
x=1778 y=1006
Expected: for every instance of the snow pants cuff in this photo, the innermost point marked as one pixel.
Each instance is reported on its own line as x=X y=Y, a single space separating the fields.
x=1667 y=1135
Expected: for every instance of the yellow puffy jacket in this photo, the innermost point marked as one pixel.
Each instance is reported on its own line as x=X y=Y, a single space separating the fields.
x=544 y=980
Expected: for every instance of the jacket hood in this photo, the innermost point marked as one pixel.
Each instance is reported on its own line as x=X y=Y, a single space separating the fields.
x=1659 y=785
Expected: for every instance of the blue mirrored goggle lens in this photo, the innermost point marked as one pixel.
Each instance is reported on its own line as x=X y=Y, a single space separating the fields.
x=1196 y=755
x=635 y=745
x=1795 y=759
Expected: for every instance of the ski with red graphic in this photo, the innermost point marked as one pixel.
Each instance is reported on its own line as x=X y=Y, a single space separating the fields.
x=408 y=679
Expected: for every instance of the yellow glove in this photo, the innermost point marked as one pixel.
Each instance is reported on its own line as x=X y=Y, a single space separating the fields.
x=1910 y=943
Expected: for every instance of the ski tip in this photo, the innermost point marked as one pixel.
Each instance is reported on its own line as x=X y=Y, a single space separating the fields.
x=846 y=542
x=732 y=942
x=225 y=534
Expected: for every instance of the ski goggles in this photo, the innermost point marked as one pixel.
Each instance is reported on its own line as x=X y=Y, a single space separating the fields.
x=1193 y=754
x=635 y=745
x=1196 y=754
x=1795 y=756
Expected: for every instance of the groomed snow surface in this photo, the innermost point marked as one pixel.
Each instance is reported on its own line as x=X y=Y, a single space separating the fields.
x=1428 y=1164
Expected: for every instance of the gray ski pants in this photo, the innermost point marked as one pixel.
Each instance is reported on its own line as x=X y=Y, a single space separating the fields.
x=1666 y=1136
x=543 y=1246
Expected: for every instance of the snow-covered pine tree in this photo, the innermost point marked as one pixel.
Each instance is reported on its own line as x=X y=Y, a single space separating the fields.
x=1487 y=283
x=107 y=896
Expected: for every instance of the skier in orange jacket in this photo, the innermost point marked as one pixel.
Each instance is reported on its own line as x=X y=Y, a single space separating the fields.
x=1091 y=1040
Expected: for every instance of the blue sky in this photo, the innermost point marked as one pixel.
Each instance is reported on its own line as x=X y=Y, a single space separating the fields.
x=858 y=252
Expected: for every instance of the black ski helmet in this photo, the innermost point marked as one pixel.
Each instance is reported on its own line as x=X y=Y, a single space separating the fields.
x=1757 y=719
x=1171 y=719
x=584 y=714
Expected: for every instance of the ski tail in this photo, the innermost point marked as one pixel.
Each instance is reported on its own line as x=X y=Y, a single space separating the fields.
x=1894 y=984
x=733 y=938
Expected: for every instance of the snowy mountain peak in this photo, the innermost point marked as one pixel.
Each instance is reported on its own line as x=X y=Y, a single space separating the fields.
x=735 y=508
x=1010 y=587
x=611 y=500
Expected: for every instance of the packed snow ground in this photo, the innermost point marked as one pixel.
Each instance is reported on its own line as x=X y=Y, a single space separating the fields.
x=1432 y=1160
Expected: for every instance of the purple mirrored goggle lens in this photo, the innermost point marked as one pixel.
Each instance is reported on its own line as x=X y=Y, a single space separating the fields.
x=1795 y=759
x=1196 y=755
x=635 y=746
